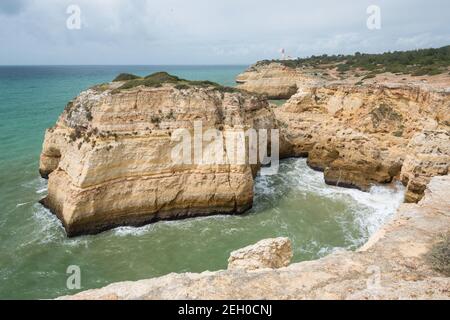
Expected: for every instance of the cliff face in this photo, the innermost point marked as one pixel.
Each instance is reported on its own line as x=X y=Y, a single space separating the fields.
x=361 y=130
x=274 y=80
x=360 y=135
x=108 y=158
x=396 y=263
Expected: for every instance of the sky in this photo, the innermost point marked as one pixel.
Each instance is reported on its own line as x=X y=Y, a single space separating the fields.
x=151 y=32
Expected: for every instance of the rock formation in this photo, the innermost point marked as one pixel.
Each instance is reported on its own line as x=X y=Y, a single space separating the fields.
x=108 y=163
x=267 y=253
x=274 y=80
x=361 y=135
x=357 y=127
x=393 y=264
x=108 y=158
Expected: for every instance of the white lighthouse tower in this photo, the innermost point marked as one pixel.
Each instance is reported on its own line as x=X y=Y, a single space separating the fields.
x=283 y=54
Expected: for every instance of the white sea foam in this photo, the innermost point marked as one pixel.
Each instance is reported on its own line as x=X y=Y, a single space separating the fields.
x=42 y=190
x=49 y=229
x=371 y=209
x=133 y=231
x=184 y=224
x=22 y=204
x=38 y=184
x=48 y=226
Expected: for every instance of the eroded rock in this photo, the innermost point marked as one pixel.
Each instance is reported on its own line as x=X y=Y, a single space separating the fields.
x=274 y=80
x=268 y=253
x=363 y=135
x=109 y=157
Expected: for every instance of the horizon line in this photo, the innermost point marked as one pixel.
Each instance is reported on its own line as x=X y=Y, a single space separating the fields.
x=122 y=65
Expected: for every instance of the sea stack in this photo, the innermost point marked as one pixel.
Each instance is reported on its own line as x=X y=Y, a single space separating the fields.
x=108 y=158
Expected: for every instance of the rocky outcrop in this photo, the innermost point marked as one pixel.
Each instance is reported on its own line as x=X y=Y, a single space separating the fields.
x=428 y=155
x=361 y=135
x=109 y=157
x=274 y=80
x=109 y=162
x=393 y=264
x=267 y=253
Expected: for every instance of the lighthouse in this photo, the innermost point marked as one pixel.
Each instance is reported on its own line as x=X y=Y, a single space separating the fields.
x=283 y=54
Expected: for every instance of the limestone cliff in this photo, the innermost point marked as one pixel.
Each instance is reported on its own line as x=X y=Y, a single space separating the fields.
x=360 y=128
x=394 y=264
x=360 y=135
x=108 y=158
x=275 y=80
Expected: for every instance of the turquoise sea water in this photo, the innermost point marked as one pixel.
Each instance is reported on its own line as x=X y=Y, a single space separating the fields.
x=34 y=252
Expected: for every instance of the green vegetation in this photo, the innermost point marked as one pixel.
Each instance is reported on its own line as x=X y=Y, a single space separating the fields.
x=415 y=62
x=76 y=134
x=101 y=87
x=439 y=255
x=159 y=78
x=125 y=77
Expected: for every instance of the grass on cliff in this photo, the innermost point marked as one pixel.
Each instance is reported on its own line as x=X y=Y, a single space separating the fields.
x=157 y=79
x=125 y=77
x=415 y=62
x=439 y=255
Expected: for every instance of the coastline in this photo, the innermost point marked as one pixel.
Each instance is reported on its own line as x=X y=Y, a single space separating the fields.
x=329 y=108
x=395 y=255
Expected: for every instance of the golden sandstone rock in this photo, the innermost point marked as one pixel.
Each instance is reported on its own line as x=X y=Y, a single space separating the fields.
x=361 y=135
x=358 y=135
x=267 y=253
x=108 y=158
x=274 y=80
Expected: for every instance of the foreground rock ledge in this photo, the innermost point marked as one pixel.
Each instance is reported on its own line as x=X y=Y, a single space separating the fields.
x=393 y=264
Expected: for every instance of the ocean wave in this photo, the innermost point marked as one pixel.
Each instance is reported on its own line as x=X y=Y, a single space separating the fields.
x=183 y=224
x=370 y=209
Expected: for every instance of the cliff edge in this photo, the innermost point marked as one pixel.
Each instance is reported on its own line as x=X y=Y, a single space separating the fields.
x=398 y=262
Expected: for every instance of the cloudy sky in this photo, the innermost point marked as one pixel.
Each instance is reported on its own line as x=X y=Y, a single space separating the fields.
x=211 y=31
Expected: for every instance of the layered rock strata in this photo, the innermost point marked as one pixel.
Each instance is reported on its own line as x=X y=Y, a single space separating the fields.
x=109 y=158
x=275 y=80
x=362 y=135
x=393 y=264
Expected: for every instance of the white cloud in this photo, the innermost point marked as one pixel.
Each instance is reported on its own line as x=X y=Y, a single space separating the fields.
x=204 y=31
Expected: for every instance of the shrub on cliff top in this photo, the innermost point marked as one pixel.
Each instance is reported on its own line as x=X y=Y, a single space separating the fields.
x=157 y=79
x=160 y=77
x=125 y=77
x=416 y=62
x=439 y=256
